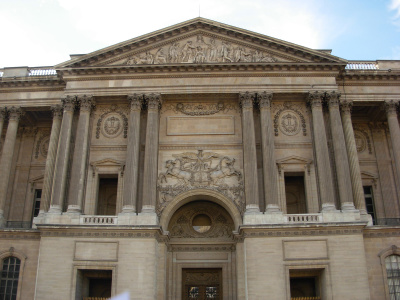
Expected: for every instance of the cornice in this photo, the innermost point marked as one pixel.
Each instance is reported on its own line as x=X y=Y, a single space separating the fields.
x=381 y=232
x=29 y=82
x=19 y=234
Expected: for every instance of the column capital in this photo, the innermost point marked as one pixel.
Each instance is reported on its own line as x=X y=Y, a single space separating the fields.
x=14 y=113
x=57 y=111
x=314 y=99
x=86 y=102
x=69 y=103
x=346 y=106
x=391 y=107
x=333 y=99
x=246 y=100
x=136 y=101
x=2 y=113
x=30 y=131
x=265 y=99
x=153 y=101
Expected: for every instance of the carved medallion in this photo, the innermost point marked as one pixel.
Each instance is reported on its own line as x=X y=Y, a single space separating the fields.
x=112 y=125
x=289 y=123
x=360 y=141
x=42 y=145
x=206 y=170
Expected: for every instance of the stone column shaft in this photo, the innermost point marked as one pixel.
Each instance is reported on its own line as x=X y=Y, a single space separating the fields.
x=79 y=162
x=340 y=152
x=131 y=173
x=355 y=173
x=50 y=159
x=268 y=152
x=393 y=122
x=62 y=160
x=322 y=153
x=2 y=117
x=151 y=153
x=249 y=153
x=14 y=114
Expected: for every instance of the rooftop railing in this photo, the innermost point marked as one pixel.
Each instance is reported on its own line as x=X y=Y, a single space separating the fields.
x=362 y=65
x=42 y=72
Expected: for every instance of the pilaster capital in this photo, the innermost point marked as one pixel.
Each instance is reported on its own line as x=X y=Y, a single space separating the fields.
x=153 y=101
x=57 y=111
x=333 y=98
x=14 y=113
x=391 y=107
x=265 y=99
x=246 y=100
x=2 y=113
x=69 y=103
x=30 y=131
x=136 y=101
x=86 y=102
x=346 y=106
x=314 y=99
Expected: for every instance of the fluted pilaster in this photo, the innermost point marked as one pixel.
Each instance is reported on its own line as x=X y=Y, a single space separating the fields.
x=51 y=158
x=351 y=147
x=14 y=115
x=79 y=162
x=132 y=155
x=393 y=122
x=151 y=153
x=249 y=152
x=63 y=149
x=321 y=152
x=268 y=152
x=341 y=159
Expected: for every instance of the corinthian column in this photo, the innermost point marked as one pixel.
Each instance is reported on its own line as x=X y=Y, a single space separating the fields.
x=393 y=122
x=268 y=152
x=351 y=147
x=79 y=162
x=341 y=159
x=132 y=155
x=151 y=153
x=62 y=160
x=14 y=115
x=322 y=153
x=249 y=153
x=51 y=157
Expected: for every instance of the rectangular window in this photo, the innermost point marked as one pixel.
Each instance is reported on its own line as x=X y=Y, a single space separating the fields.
x=107 y=197
x=295 y=193
x=305 y=284
x=36 y=202
x=93 y=284
x=369 y=202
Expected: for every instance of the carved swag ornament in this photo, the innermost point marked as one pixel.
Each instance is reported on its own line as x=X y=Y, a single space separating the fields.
x=206 y=170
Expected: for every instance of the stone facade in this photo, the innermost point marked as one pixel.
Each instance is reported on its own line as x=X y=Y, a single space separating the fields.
x=201 y=150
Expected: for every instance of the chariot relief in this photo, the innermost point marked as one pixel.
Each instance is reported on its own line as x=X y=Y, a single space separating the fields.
x=206 y=170
x=200 y=49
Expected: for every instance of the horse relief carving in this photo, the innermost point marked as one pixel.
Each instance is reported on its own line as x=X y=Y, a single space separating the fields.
x=206 y=170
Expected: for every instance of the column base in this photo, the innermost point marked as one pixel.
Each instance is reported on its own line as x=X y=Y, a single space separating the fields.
x=128 y=209
x=252 y=209
x=328 y=207
x=148 y=209
x=273 y=209
x=74 y=209
x=55 y=209
x=348 y=206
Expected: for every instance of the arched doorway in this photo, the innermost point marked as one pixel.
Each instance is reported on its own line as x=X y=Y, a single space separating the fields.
x=202 y=252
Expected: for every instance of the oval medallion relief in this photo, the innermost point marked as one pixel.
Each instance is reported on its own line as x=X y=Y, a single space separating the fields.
x=112 y=125
x=361 y=143
x=289 y=122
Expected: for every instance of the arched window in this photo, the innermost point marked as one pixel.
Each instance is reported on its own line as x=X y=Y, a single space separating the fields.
x=392 y=263
x=9 y=278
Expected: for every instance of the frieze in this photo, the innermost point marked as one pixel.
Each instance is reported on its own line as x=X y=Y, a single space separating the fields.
x=112 y=122
x=199 y=49
x=200 y=147
x=205 y=170
x=199 y=109
x=102 y=234
x=262 y=233
x=289 y=119
x=202 y=248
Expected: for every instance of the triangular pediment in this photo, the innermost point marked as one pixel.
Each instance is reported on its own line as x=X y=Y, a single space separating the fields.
x=200 y=41
x=107 y=162
x=294 y=160
x=368 y=175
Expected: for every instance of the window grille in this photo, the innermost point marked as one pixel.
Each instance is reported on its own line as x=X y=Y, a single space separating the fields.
x=393 y=276
x=9 y=278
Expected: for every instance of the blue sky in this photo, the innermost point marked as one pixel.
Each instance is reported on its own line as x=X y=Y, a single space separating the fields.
x=45 y=32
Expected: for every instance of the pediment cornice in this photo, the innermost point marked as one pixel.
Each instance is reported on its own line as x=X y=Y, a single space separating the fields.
x=203 y=38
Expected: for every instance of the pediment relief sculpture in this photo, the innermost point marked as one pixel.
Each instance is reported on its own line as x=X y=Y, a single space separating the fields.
x=199 y=49
x=201 y=170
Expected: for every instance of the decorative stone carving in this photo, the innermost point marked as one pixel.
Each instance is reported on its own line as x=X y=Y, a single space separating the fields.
x=200 y=49
x=112 y=123
x=42 y=145
x=69 y=103
x=221 y=224
x=200 y=109
x=86 y=102
x=14 y=113
x=363 y=140
x=289 y=119
x=206 y=170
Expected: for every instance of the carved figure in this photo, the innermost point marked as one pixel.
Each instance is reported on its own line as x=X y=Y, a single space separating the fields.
x=174 y=168
x=224 y=169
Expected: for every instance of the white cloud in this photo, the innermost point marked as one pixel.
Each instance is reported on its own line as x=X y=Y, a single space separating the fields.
x=395 y=6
